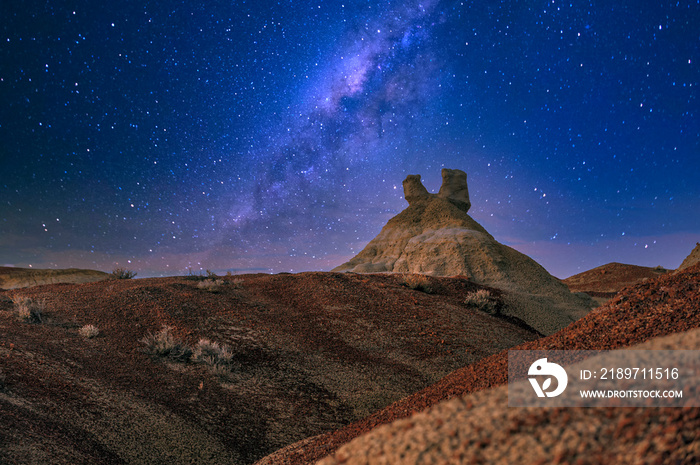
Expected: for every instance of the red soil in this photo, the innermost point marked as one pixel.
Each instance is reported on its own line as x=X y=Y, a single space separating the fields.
x=291 y=333
x=665 y=305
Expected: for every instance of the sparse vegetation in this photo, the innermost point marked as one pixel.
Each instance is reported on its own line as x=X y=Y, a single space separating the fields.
x=238 y=283
x=418 y=282
x=89 y=331
x=28 y=310
x=195 y=276
x=211 y=285
x=483 y=300
x=122 y=273
x=212 y=354
x=2 y=381
x=165 y=344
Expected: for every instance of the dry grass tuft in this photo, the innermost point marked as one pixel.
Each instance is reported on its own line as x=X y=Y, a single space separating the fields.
x=483 y=300
x=212 y=353
x=164 y=344
x=211 y=285
x=29 y=310
x=89 y=331
x=418 y=282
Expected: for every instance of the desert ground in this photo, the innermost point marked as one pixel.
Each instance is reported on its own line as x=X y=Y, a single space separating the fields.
x=310 y=353
x=316 y=360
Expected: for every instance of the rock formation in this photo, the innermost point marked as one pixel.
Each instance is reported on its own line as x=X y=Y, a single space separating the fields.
x=691 y=259
x=454 y=188
x=436 y=236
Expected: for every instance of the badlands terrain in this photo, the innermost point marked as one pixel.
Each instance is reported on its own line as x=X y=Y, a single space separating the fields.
x=311 y=353
x=398 y=356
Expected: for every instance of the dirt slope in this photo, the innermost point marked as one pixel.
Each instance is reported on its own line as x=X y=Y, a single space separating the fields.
x=311 y=353
x=481 y=428
x=692 y=258
x=665 y=305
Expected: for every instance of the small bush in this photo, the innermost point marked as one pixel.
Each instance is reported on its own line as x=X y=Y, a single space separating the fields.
x=238 y=283
x=29 y=310
x=89 y=331
x=164 y=344
x=211 y=285
x=483 y=300
x=192 y=276
x=122 y=273
x=418 y=282
x=212 y=353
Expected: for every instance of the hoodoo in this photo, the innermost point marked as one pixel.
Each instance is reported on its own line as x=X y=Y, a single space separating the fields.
x=434 y=235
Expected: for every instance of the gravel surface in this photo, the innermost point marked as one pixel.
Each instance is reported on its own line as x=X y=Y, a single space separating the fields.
x=481 y=428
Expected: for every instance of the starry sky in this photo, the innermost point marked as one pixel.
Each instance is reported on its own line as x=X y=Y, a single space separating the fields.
x=265 y=136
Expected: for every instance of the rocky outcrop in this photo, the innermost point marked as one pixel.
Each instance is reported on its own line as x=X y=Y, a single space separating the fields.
x=691 y=259
x=436 y=236
x=454 y=188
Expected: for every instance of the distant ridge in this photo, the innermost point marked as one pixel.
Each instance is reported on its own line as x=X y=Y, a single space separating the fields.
x=15 y=278
x=607 y=280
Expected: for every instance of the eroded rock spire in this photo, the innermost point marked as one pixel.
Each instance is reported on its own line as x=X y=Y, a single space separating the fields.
x=454 y=188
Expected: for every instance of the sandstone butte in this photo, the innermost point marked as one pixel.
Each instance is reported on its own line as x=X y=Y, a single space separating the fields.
x=435 y=235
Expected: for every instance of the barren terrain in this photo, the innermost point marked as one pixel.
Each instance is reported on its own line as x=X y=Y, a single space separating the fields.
x=312 y=352
x=603 y=282
x=662 y=306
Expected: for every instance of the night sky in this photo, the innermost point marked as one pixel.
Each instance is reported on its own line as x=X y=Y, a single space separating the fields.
x=261 y=136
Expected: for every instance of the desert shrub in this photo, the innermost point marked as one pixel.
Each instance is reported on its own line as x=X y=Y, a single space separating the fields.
x=89 y=331
x=29 y=310
x=165 y=344
x=212 y=353
x=418 y=282
x=483 y=300
x=211 y=285
x=192 y=276
x=122 y=273
x=238 y=283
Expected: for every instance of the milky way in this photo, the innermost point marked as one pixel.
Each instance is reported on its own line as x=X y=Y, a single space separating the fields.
x=273 y=136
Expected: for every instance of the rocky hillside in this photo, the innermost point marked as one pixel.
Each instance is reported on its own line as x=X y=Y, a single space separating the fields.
x=285 y=357
x=481 y=428
x=692 y=258
x=666 y=305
